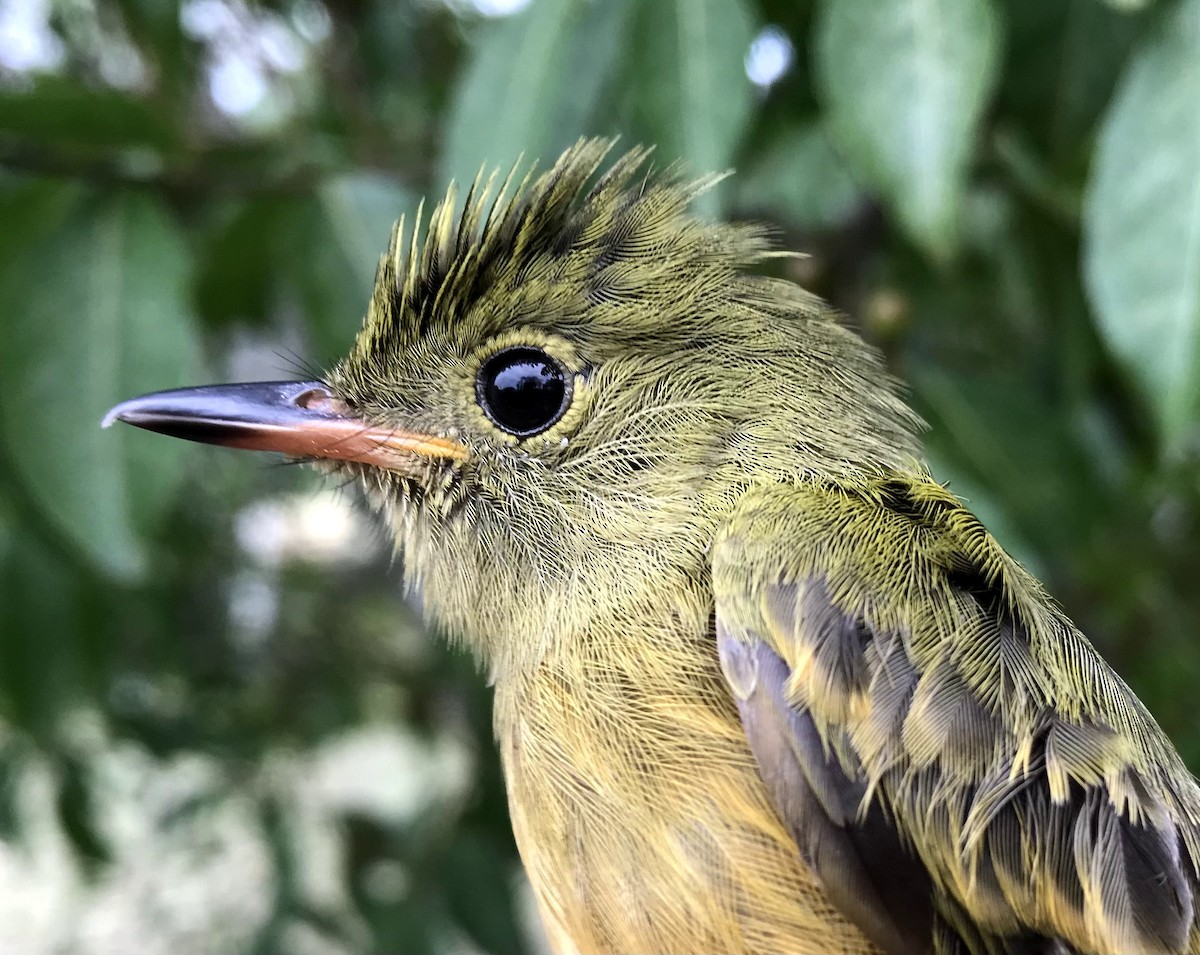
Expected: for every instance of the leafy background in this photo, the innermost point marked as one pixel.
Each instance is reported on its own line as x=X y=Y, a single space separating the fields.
x=220 y=728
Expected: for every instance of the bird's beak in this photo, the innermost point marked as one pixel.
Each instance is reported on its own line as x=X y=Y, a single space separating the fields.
x=300 y=418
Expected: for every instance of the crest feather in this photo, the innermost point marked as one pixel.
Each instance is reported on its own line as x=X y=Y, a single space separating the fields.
x=440 y=268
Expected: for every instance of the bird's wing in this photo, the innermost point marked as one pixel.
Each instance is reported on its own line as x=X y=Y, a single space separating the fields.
x=953 y=758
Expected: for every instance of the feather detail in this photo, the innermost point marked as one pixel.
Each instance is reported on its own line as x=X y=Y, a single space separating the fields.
x=1006 y=762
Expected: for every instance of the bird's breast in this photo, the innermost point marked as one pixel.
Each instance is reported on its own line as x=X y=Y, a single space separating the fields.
x=638 y=809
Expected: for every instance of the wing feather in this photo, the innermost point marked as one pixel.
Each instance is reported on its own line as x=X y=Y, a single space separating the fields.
x=952 y=757
x=866 y=873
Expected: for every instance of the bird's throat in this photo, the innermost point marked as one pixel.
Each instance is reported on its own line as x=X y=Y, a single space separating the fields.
x=639 y=811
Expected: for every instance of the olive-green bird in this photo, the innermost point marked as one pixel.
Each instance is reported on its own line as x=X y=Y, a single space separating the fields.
x=761 y=683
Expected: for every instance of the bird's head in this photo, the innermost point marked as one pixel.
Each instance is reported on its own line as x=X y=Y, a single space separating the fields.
x=557 y=396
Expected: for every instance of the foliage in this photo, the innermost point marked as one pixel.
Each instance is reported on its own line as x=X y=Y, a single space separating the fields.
x=1003 y=194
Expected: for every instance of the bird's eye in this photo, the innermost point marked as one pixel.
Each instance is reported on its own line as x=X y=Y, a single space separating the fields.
x=523 y=390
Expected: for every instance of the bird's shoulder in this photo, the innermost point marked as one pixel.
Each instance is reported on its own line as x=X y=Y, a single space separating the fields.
x=923 y=712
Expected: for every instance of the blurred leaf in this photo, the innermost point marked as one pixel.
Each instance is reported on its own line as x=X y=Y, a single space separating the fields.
x=361 y=211
x=76 y=813
x=1009 y=443
x=1128 y=6
x=905 y=85
x=331 y=249
x=596 y=43
x=687 y=78
x=31 y=210
x=407 y=924
x=531 y=85
x=475 y=863
x=156 y=27
x=273 y=819
x=40 y=633
x=1087 y=63
x=96 y=311
x=238 y=262
x=64 y=112
x=1062 y=61
x=1142 y=223
x=12 y=765
x=1035 y=178
x=799 y=177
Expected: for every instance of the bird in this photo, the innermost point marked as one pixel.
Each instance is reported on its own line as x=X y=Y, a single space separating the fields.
x=761 y=682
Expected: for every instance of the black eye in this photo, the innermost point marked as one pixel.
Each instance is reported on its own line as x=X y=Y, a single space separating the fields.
x=523 y=390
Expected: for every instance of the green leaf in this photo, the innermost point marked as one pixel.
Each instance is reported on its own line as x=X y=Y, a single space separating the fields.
x=155 y=27
x=238 y=259
x=687 y=78
x=42 y=632
x=12 y=769
x=1062 y=64
x=1142 y=223
x=62 y=111
x=75 y=805
x=361 y=211
x=331 y=250
x=1015 y=450
x=475 y=863
x=96 y=311
x=799 y=177
x=904 y=86
x=31 y=210
x=532 y=85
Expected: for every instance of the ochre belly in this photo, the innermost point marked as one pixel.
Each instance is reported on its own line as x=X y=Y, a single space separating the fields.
x=641 y=818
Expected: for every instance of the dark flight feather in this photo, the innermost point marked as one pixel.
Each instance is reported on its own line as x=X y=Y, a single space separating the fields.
x=952 y=794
